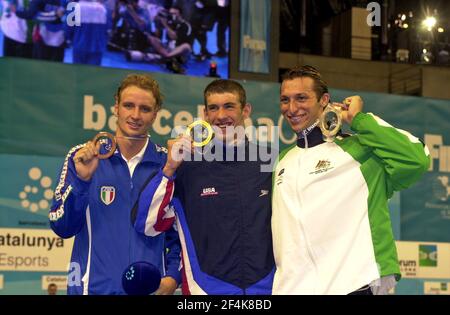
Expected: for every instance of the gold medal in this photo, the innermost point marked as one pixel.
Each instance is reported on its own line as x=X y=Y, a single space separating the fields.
x=197 y=130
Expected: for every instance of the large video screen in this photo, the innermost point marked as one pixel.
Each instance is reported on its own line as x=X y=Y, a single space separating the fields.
x=175 y=36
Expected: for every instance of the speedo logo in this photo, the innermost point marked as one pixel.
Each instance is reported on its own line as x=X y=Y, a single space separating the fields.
x=211 y=191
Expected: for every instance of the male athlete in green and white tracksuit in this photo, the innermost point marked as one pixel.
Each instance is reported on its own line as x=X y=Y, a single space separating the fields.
x=331 y=226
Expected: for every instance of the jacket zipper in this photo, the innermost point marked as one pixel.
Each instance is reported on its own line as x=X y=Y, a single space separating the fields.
x=303 y=231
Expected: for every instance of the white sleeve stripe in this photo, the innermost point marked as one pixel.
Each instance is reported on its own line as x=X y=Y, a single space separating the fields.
x=63 y=176
x=381 y=122
x=155 y=206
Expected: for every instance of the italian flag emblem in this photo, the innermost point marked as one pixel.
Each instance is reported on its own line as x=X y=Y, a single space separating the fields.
x=107 y=194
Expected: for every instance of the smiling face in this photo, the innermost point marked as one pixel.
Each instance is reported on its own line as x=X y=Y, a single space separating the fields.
x=225 y=110
x=299 y=103
x=136 y=111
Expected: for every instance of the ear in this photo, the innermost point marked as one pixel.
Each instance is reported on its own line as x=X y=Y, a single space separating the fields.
x=205 y=113
x=324 y=100
x=246 y=111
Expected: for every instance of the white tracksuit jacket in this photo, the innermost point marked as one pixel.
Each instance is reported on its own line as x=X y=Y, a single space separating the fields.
x=331 y=226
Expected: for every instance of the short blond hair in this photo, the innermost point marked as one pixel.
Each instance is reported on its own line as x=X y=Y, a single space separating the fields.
x=144 y=82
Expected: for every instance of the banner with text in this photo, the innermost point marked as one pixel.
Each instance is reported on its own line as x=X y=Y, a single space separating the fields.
x=47 y=108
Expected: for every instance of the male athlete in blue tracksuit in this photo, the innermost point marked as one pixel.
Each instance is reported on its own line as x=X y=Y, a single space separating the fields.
x=97 y=211
x=222 y=206
x=98 y=215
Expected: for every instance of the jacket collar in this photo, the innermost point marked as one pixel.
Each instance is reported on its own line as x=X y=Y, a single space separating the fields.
x=151 y=153
x=313 y=138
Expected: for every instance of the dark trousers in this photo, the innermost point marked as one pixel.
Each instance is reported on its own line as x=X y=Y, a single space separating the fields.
x=223 y=22
x=12 y=48
x=366 y=290
x=88 y=58
x=42 y=51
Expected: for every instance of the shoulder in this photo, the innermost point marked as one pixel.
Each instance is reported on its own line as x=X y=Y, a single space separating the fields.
x=286 y=151
x=155 y=153
x=160 y=149
x=74 y=150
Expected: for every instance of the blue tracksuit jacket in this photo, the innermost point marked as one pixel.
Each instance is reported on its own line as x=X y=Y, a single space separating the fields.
x=98 y=214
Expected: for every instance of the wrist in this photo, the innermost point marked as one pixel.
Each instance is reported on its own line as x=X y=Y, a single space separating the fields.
x=168 y=171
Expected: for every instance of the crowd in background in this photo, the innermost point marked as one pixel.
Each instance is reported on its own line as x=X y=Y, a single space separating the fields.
x=143 y=30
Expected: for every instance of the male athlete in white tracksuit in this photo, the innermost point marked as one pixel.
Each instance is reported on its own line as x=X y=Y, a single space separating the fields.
x=331 y=226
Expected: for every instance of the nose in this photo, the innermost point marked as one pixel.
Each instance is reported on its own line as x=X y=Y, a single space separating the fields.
x=136 y=114
x=292 y=106
x=221 y=114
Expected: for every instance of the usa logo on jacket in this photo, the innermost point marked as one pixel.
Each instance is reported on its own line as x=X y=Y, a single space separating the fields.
x=209 y=192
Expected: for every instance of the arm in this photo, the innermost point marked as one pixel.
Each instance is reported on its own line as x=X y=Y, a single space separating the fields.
x=153 y=213
x=141 y=22
x=68 y=211
x=170 y=32
x=172 y=276
x=50 y=16
x=404 y=156
x=35 y=11
x=31 y=11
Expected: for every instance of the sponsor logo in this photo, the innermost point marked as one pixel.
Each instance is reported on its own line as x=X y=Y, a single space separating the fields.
x=60 y=281
x=209 y=192
x=107 y=194
x=438 y=288
x=408 y=267
x=441 y=188
x=264 y=193
x=161 y=149
x=428 y=256
x=36 y=194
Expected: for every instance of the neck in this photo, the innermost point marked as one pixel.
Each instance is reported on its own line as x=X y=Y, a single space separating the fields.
x=310 y=137
x=130 y=147
x=305 y=132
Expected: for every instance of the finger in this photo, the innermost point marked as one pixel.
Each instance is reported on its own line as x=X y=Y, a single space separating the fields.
x=177 y=148
x=81 y=157
x=97 y=148
x=78 y=159
x=90 y=150
x=185 y=141
x=185 y=136
x=348 y=101
x=340 y=105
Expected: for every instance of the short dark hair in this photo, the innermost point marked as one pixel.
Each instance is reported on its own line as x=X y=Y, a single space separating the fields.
x=177 y=7
x=144 y=82
x=320 y=86
x=221 y=86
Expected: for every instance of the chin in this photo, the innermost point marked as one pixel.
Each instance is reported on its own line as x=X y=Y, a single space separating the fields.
x=132 y=132
x=225 y=138
x=296 y=128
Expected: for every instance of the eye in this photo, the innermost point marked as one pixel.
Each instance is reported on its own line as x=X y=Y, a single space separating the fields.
x=146 y=109
x=300 y=98
x=128 y=105
x=212 y=108
x=284 y=100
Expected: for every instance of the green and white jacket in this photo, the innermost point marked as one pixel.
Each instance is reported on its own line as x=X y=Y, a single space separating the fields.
x=331 y=226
